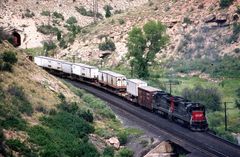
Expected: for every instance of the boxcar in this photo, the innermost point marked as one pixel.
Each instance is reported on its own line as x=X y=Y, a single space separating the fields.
x=85 y=71
x=112 y=79
x=132 y=86
x=54 y=64
x=145 y=96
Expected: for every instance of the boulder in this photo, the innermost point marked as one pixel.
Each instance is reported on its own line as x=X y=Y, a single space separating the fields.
x=113 y=141
x=210 y=18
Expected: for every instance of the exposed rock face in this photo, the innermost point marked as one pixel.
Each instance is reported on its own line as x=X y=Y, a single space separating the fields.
x=164 y=149
x=113 y=141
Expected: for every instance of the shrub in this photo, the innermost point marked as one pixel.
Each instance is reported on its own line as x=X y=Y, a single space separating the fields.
x=48 y=29
x=85 y=12
x=121 y=21
x=69 y=107
x=6 y=67
x=28 y=14
x=107 y=45
x=50 y=45
x=63 y=44
x=86 y=115
x=13 y=122
x=187 y=20
x=9 y=57
x=108 y=151
x=16 y=145
x=108 y=11
x=58 y=15
x=62 y=97
x=122 y=136
x=237 y=50
x=20 y=100
x=125 y=152
x=45 y=13
x=71 y=20
x=225 y=3
x=210 y=97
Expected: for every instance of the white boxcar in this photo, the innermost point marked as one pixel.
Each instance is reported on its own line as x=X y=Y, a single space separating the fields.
x=133 y=84
x=112 y=79
x=84 y=70
x=55 y=64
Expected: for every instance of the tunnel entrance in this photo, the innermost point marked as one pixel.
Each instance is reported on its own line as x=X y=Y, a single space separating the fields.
x=16 y=39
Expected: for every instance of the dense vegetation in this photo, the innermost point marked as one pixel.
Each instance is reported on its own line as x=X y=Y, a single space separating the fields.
x=226 y=66
x=210 y=97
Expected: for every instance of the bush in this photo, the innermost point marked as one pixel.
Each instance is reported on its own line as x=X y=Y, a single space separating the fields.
x=122 y=136
x=9 y=57
x=45 y=13
x=187 y=20
x=20 y=100
x=121 y=21
x=48 y=29
x=16 y=145
x=210 y=97
x=69 y=107
x=125 y=152
x=58 y=15
x=86 y=115
x=107 y=45
x=13 y=122
x=71 y=20
x=6 y=67
x=225 y=3
x=107 y=9
x=50 y=45
x=28 y=14
x=108 y=151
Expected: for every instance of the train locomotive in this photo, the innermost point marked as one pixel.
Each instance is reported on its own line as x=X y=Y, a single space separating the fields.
x=175 y=108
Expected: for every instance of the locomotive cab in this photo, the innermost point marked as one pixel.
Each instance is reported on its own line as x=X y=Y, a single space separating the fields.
x=198 y=120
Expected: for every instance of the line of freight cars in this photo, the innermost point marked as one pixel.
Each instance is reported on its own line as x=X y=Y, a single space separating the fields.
x=176 y=108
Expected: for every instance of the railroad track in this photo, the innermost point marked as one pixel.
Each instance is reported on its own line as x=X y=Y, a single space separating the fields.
x=206 y=144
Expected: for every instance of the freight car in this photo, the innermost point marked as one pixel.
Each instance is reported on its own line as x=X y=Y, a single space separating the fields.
x=113 y=80
x=175 y=108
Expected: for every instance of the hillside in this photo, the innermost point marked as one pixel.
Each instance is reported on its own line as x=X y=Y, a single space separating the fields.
x=41 y=115
x=192 y=34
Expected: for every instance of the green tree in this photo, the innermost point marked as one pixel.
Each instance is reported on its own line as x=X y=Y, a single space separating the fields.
x=144 y=44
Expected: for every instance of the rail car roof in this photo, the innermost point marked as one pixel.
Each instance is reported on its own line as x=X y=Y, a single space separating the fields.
x=85 y=65
x=150 y=88
x=136 y=81
x=54 y=59
x=112 y=73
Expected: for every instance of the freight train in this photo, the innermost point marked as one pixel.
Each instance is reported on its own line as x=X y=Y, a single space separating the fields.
x=175 y=108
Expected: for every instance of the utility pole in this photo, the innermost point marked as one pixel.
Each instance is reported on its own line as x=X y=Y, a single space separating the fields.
x=95 y=10
x=225 y=113
x=171 y=83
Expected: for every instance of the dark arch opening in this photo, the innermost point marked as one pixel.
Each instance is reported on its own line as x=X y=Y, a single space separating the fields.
x=16 y=39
